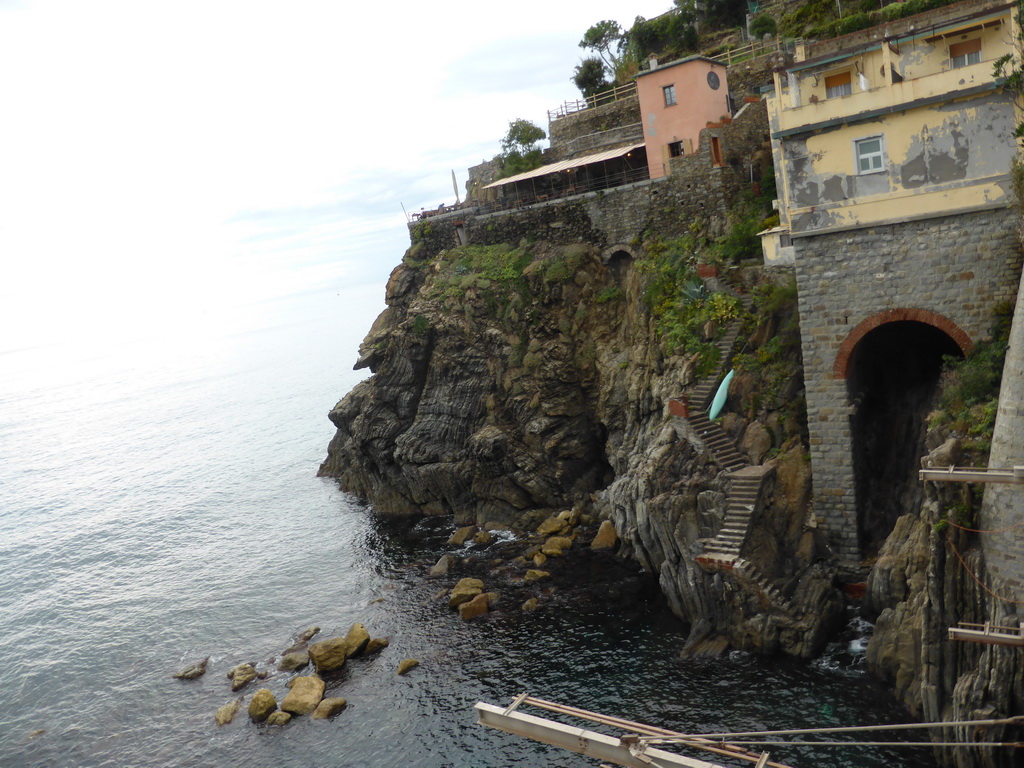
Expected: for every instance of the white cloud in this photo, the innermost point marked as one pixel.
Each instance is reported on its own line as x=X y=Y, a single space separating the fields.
x=158 y=155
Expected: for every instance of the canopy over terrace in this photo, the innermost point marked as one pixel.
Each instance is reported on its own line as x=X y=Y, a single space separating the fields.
x=610 y=168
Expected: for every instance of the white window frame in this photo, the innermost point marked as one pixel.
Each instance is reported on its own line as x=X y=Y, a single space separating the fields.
x=974 y=57
x=876 y=159
x=669 y=92
x=838 y=91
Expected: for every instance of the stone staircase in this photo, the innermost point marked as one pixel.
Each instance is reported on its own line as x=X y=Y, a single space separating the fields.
x=743 y=493
x=760 y=584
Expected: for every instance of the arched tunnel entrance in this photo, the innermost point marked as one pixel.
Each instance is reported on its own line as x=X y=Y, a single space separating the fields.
x=892 y=375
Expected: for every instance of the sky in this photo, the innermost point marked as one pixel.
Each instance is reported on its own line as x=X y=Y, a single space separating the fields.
x=170 y=166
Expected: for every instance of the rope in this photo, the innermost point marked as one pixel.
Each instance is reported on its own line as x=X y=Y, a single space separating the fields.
x=974 y=530
x=1017 y=744
x=1015 y=720
x=979 y=581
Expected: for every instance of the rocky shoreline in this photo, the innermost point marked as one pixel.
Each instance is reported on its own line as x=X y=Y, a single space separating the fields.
x=486 y=571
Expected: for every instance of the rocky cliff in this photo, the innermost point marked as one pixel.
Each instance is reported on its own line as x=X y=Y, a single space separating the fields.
x=512 y=381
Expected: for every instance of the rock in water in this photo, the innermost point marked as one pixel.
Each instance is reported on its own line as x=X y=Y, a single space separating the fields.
x=329 y=655
x=461 y=536
x=442 y=566
x=226 y=714
x=478 y=606
x=531 y=604
x=304 y=696
x=465 y=591
x=292 y=661
x=356 y=640
x=606 y=537
x=193 y=671
x=262 y=705
x=553 y=526
x=308 y=634
x=376 y=645
x=406 y=664
x=242 y=675
x=329 y=708
x=279 y=718
x=535 y=575
x=556 y=546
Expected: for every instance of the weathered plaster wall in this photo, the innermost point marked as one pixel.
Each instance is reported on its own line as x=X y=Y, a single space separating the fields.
x=947 y=157
x=696 y=105
x=954 y=267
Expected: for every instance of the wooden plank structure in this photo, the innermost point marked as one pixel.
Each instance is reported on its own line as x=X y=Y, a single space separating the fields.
x=973 y=475
x=988 y=633
x=631 y=749
x=635 y=747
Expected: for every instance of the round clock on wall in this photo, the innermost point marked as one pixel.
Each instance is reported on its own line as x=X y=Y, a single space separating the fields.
x=713 y=81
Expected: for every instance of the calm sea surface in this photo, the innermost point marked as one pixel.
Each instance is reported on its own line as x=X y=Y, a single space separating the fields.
x=159 y=505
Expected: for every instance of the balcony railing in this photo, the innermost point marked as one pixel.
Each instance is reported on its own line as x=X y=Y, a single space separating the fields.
x=883 y=98
x=605 y=97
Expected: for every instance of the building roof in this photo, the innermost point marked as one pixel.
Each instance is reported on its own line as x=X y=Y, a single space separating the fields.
x=670 y=64
x=564 y=165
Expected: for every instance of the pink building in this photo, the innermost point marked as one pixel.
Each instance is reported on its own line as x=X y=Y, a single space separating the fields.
x=677 y=101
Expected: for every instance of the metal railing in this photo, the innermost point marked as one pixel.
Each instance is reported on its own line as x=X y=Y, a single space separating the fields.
x=521 y=198
x=618 y=93
x=752 y=50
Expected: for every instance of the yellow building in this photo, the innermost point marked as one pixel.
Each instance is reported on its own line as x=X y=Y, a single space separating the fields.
x=895 y=124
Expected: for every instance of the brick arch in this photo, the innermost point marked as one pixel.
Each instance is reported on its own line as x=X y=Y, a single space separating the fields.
x=608 y=253
x=944 y=324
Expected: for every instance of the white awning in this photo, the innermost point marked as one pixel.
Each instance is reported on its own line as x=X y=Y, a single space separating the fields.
x=544 y=170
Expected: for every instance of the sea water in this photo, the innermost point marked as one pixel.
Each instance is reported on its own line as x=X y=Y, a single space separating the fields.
x=160 y=505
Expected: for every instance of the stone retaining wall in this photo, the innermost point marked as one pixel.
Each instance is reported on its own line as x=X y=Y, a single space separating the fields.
x=953 y=268
x=566 y=132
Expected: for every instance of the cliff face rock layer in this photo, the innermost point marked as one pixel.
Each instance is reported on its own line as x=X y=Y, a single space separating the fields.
x=510 y=382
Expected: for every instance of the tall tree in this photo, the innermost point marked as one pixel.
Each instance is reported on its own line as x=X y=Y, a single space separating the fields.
x=605 y=39
x=589 y=77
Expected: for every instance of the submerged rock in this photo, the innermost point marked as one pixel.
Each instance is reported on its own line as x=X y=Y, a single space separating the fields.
x=226 y=713
x=407 y=664
x=293 y=661
x=241 y=676
x=193 y=671
x=442 y=566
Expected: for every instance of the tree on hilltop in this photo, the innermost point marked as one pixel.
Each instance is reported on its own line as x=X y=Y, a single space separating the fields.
x=605 y=39
x=519 y=150
x=589 y=77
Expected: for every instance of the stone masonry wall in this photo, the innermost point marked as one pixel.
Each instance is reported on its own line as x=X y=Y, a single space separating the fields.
x=1004 y=504
x=696 y=192
x=951 y=270
x=575 y=134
